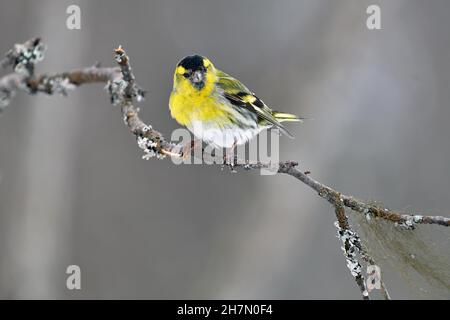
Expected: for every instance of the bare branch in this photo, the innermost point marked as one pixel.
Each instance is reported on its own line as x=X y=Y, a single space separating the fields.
x=123 y=89
x=350 y=241
x=351 y=246
x=360 y=206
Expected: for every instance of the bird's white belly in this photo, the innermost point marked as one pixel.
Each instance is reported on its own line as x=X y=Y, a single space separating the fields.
x=223 y=137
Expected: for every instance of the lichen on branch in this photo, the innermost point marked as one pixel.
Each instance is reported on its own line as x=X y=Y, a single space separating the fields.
x=123 y=90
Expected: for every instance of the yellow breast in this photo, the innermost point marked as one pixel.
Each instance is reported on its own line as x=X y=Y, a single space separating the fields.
x=188 y=103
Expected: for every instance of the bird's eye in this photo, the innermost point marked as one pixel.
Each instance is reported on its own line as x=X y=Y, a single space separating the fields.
x=186 y=74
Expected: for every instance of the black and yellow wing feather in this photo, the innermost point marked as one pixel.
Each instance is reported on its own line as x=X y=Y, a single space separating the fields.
x=241 y=97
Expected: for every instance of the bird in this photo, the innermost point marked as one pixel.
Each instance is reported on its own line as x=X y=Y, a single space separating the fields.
x=217 y=108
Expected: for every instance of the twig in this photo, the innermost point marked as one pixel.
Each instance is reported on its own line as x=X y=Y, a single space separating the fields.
x=351 y=246
x=123 y=90
x=360 y=206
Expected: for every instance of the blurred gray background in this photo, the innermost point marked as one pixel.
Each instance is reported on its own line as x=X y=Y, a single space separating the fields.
x=74 y=190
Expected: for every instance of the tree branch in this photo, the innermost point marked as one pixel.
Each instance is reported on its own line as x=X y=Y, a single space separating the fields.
x=123 y=90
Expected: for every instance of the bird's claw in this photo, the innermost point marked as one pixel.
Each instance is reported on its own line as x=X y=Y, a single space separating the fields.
x=228 y=161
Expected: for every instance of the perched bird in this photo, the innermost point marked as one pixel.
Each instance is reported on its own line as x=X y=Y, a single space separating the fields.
x=217 y=108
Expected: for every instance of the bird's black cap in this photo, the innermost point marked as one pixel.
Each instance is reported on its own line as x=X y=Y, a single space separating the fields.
x=194 y=62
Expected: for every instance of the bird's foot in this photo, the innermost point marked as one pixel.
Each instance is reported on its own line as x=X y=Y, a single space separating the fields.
x=188 y=147
x=229 y=160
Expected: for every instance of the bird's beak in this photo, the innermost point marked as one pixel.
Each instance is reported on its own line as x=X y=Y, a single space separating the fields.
x=198 y=79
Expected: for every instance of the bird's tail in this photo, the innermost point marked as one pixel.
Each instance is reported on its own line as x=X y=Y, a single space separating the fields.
x=282 y=117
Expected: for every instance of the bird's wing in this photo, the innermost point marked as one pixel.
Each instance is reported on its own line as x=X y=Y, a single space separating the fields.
x=240 y=96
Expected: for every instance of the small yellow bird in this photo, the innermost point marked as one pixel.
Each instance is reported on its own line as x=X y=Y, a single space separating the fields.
x=217 y=108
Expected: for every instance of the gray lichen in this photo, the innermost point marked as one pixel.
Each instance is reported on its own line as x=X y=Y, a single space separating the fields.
x=350 y=244
x=24 y=56
x=410 y=222
x=5 y=98
x=116 y=90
